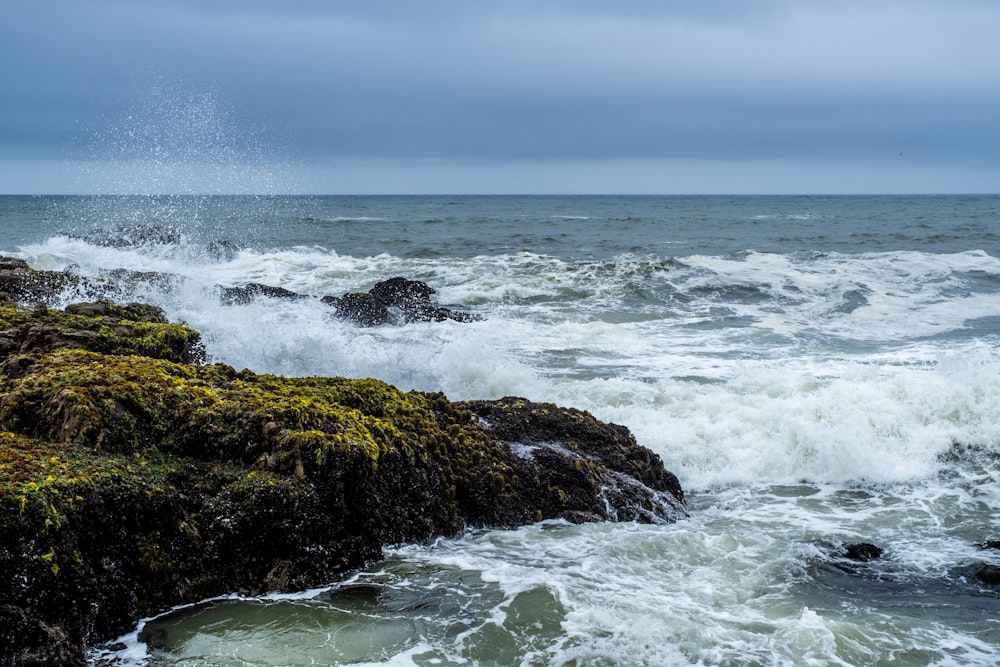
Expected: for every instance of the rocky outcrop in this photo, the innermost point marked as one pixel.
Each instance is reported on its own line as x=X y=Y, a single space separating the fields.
x=134 y=477
x=394 y=301
x=576 y=467
x=108 y=328
x=20 y=283
x=989 y=573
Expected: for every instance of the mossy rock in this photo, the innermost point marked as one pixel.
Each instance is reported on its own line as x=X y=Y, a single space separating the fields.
x=133 y=477
x=101 y=326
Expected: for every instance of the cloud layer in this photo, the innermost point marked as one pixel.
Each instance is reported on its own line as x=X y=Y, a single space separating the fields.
x=885 y=86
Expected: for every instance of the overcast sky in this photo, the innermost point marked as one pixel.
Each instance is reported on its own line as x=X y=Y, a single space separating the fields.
x=469 y=96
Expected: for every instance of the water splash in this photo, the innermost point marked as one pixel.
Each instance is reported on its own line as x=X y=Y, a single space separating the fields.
x=172 y=138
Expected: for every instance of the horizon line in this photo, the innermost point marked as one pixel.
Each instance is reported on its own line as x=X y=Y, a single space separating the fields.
x=499 y=194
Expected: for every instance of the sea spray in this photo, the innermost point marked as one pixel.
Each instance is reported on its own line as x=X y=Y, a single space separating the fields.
x=173 y=138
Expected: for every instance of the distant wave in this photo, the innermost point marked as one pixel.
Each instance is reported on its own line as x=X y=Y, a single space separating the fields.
x=346 y=218
x=794 y=216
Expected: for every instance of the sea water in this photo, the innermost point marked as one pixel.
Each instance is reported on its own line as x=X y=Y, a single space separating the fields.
x=816 y=370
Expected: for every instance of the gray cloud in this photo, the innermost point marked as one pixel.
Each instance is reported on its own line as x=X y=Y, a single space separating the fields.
x=558 y=80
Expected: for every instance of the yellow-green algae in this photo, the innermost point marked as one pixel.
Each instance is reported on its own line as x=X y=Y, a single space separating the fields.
x=132 y=404
x=43 y=483
x=101 y=327
x=76 y=400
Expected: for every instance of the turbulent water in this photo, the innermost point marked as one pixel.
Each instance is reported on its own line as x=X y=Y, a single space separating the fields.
x=816 y=370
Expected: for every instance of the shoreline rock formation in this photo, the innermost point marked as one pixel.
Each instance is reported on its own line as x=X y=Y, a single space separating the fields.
x=394 y=301
x=135 y=477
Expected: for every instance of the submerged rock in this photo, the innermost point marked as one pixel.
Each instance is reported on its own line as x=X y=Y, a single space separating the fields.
x=394 y=301
x=134 y=478
x=123 y=236
x=223 y=250
x=989 y=574
x=125 y=281
x=247 y=293
x=862 y=551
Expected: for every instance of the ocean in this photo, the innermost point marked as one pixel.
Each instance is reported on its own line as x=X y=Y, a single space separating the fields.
x=817 y=370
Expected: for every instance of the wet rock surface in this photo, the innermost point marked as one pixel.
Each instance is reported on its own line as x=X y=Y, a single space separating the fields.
x=862 y=552
x=247 y=293
x=989 y=574
x=133 y=235
x=573 y=466
x=394 y=301
x=135 y=477
x=20 y=283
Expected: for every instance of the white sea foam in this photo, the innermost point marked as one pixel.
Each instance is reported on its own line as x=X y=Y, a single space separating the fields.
x=774 y=423
x=722 y=405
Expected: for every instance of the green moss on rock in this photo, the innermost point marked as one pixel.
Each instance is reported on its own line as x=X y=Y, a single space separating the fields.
x=101 y=327
x=134 y=478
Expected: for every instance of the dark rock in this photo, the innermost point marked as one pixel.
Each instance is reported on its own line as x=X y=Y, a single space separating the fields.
x=136 y=235
x=130 y=483
x=22 y=284
x=224 y=250
x=13 y=264
x=394 y=301
x=566 y=459
x=126 y=282
x=247 y=293
x=989 y=574
x=364 y=309
x=412 y=298
x=400 y=291
x=25 y=640
x=862 y=551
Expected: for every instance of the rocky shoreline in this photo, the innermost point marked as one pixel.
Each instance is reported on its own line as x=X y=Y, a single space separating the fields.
x=394 y=301
x=135 y=477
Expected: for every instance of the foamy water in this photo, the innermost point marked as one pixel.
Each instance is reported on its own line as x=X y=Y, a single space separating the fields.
x=829 y=378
